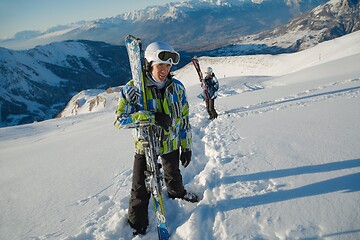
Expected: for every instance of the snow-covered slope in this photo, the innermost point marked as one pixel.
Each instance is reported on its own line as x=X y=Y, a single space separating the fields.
x=270 y=65
x=282 y=160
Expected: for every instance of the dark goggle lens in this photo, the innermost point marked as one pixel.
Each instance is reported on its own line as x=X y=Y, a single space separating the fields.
x=165 y=56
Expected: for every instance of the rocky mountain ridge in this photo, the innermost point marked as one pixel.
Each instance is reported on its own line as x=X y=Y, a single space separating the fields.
x=36 y=84
x=189 y=25
x=325 y=22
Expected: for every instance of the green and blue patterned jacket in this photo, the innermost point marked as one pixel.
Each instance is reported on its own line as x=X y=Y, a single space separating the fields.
x=171 y=100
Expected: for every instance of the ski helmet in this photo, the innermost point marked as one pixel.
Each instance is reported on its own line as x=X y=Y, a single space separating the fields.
x=161 y=52
x=209 y=70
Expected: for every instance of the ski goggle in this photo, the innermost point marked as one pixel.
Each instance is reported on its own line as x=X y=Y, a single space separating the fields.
x=166 y=57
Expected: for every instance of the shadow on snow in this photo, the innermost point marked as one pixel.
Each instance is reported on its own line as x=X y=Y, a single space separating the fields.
x=347 y=183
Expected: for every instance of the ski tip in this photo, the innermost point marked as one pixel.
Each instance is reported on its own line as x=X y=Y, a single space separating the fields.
x=195 y=60
x=129 y=37
x=132 y=37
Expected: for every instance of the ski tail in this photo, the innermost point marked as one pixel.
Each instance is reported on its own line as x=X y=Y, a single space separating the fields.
x=163 y=232
x=196 y=63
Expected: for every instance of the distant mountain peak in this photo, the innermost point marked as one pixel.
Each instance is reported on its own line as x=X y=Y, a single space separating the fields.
x=330 y=20
x=152 y=13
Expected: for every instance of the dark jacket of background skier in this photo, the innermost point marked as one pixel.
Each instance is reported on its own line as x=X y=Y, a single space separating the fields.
x=212 y=86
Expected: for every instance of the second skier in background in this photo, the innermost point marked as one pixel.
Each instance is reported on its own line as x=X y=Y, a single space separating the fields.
x=212 y=86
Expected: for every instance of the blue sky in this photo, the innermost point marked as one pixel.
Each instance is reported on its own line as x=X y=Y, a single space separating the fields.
x=19 y=15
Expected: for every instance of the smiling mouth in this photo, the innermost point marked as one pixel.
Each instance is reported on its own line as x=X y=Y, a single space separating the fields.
x=162 y=76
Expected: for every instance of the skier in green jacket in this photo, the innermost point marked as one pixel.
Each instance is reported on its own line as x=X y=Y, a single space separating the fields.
x=168 y=110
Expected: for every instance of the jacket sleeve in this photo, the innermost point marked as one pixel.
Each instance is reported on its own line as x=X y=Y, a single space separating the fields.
x=185 y=127
x=216 y=83
x=128 y=114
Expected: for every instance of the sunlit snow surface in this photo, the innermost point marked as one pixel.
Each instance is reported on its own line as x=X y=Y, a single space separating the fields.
x=281 y=161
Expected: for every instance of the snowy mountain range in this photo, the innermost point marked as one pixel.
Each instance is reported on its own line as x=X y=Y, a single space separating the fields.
x=189 y=25
x=37 y=84
x=327 y=21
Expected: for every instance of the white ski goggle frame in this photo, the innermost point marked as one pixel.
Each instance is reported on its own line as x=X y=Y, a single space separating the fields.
x=164 y=56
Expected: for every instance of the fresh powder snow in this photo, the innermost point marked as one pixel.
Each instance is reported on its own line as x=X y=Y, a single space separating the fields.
x=281 y=161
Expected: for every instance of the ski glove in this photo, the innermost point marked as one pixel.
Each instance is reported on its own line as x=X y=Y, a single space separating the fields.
x=131 y=94
x=163 y=120
x=137 y=119
x=185 y=157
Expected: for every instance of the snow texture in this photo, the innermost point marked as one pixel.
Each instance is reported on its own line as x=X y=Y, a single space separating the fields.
x=281 y=161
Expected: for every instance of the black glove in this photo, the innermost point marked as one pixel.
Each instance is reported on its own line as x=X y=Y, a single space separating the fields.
x=163 y=120
x=185 y=157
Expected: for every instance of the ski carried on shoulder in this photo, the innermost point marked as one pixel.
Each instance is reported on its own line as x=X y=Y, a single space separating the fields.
x=196 y=63
x=151 y=144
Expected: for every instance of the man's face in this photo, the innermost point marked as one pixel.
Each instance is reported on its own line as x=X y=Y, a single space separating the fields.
x=160 y=71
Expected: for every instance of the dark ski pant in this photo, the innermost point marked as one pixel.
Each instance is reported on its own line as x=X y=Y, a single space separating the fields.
x=210 y=107
x=139 y=199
